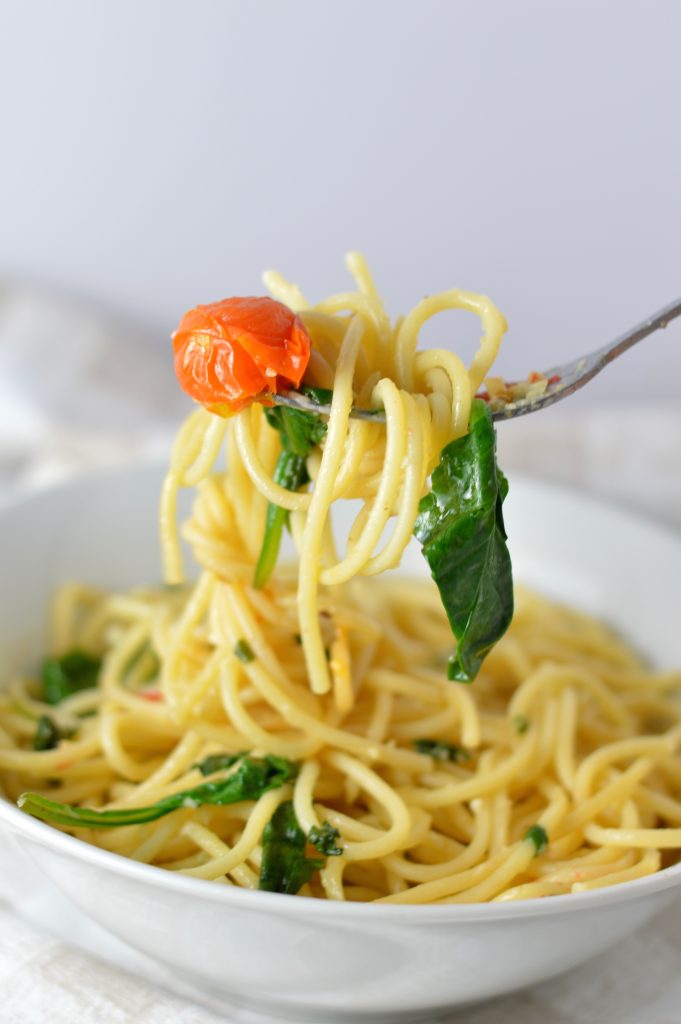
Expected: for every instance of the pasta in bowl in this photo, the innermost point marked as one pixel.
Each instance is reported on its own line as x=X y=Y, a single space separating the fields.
x=214 y=746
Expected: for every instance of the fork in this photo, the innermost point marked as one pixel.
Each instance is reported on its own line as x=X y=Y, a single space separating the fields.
x=562 y=380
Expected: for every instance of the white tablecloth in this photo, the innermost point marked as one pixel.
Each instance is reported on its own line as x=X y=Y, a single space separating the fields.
x=77 y=390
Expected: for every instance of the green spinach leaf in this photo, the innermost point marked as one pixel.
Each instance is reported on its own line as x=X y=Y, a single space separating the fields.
x=299 y=432
x=144 y=662
x=61 y=677
x=324 y=839
x=299 y=429
x=47 y=734
x=285 y=867
x=290 y=472
x=218 y=762
x=461 y=527
x=252 y=778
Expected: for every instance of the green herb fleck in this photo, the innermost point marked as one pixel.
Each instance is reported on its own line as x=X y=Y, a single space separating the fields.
x=442 y=751
x=243 y=651
x=324 y=839
x=520 y=723
x=538 y=837
x=74 y=671
x=47 y=734
x=144 y=662
x=285 y=867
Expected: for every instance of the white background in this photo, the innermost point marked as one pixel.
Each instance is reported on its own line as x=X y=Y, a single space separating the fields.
x=160 y=153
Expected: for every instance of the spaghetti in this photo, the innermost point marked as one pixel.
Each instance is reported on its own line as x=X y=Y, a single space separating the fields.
x=301 y=735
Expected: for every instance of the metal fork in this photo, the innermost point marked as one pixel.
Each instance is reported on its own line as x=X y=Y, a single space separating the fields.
x=563 y=380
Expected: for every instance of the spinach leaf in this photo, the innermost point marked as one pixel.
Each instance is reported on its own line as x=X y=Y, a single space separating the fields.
x=319 y=396
x=290 y=472
x=299 y=432
x=252 y=778
x=218 y=762
x=461 y=527
x=145 y=661
x=441 y=751
x=299 y=429
x=47 y=734
x=324 y=839
x=61 y=677
x=285 y=866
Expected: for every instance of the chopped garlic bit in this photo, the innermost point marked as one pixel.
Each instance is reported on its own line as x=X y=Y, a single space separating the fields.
x=501 y=393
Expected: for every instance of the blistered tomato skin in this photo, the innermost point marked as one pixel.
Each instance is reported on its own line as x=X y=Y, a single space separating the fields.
x=229 y=353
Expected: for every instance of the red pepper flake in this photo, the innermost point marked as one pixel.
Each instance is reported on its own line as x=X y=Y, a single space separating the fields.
x=534 y=377
x=63 y=766
x=151 y=695
x=555 y=379
x=484 y=395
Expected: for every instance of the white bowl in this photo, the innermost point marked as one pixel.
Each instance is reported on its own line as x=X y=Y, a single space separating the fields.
x=310 y=959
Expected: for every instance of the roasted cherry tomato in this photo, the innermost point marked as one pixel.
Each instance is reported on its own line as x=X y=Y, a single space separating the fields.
x=229 y=353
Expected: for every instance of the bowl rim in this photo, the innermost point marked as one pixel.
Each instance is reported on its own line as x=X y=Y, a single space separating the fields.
x=70 y=847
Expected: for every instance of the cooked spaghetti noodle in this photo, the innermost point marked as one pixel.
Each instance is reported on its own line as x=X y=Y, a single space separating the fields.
x=558 y=771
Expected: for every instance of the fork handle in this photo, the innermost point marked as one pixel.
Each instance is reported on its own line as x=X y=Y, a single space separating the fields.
x=658 y=321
